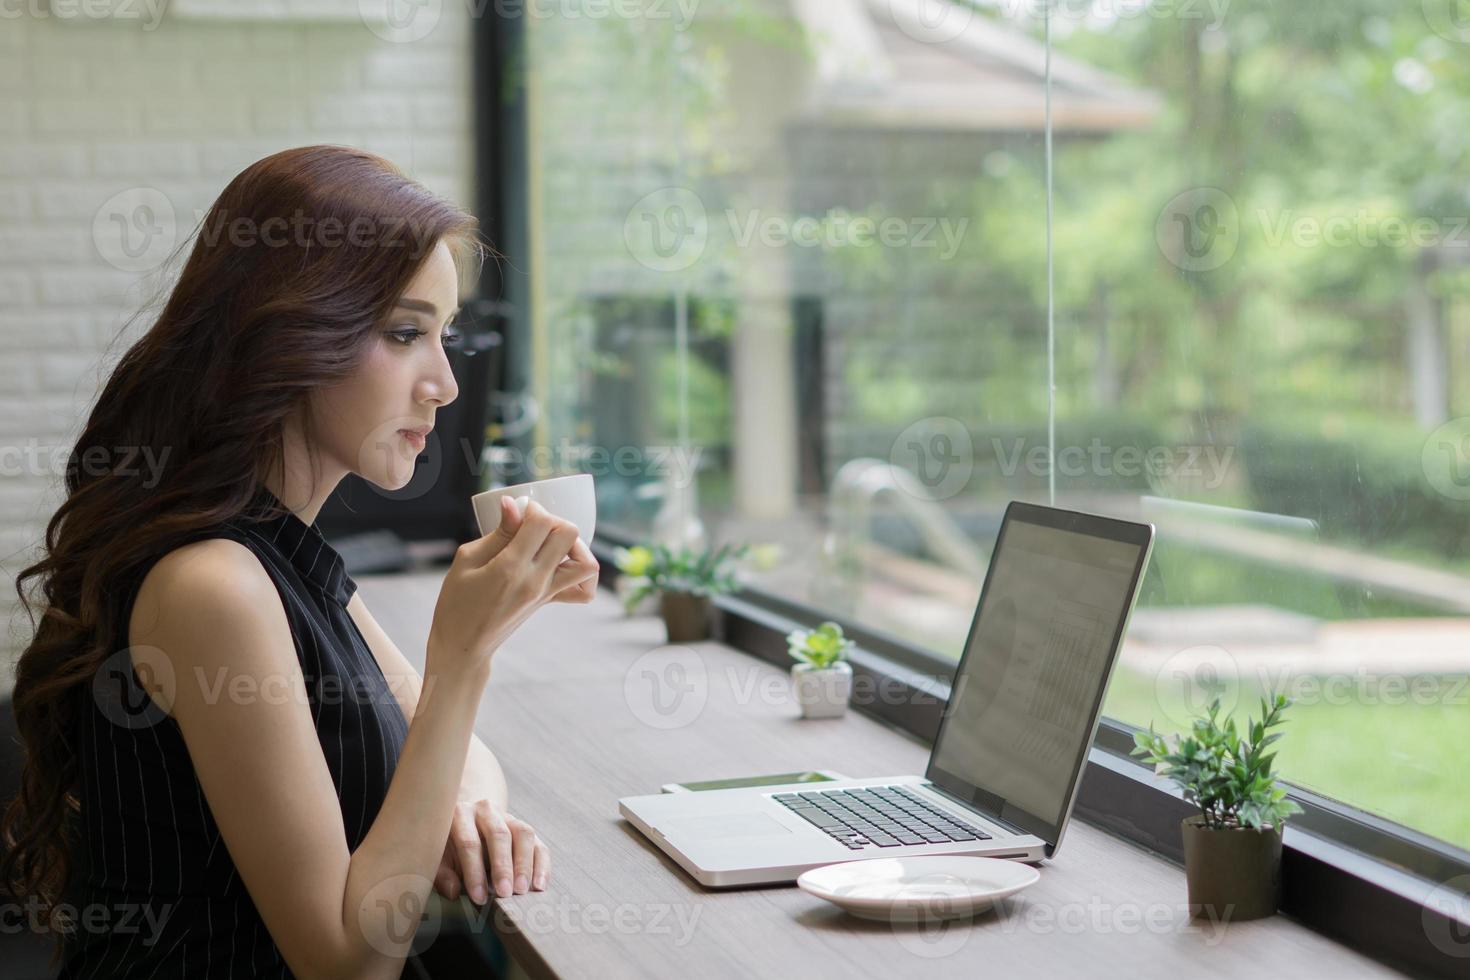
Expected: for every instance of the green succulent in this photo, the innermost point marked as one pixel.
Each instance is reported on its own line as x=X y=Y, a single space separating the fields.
x=821 y=647
x=658 y=568
x=1228 y=777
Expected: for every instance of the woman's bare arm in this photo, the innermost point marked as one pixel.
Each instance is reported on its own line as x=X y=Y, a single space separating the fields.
x=215 y=615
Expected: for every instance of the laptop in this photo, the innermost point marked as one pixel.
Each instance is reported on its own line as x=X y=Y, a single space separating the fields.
x=1012 y=741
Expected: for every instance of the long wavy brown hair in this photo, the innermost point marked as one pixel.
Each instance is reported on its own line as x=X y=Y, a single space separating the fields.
x=292 y=271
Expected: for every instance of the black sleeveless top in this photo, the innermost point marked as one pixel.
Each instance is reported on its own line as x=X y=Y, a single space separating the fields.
x=149 y=867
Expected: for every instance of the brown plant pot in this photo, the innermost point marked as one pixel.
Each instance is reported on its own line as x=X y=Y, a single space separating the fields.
x=1233 y=874
x=686 y=616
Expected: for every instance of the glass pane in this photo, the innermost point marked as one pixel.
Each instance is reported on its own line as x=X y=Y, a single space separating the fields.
x=789 y=287
x=1263 y=289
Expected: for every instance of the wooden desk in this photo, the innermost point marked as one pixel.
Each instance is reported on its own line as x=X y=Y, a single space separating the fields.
x=570 y=713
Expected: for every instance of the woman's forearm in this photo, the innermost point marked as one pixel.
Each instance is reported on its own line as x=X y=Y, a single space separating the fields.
x=391 y=872
x=483 y=777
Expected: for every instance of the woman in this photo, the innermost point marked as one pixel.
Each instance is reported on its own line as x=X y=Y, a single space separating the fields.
x=230 y=769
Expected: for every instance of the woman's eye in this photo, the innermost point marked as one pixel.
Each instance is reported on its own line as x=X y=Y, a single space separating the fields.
x=452 y=339
x=406 y=337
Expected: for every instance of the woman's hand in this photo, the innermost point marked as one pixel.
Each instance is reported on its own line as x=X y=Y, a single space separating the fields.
x=518 y=859
x=497 y=581
x=586 y=590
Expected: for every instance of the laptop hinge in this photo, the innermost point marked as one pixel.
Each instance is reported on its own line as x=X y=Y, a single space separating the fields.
x=993 y=818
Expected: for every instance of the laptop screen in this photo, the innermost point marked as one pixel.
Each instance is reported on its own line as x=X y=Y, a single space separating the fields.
x=1024 y=705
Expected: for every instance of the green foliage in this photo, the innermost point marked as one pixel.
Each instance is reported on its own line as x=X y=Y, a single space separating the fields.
x=1228 y=777
x=821 y=647
x=658 y=568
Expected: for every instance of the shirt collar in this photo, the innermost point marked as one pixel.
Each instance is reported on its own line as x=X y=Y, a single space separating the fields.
x=301 y=544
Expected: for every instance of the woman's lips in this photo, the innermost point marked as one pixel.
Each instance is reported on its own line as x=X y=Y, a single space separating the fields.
x=415 y=439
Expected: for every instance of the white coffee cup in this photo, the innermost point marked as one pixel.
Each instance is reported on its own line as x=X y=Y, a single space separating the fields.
x=572 y=498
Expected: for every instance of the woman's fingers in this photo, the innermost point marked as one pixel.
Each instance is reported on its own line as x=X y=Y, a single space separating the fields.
x=496 y=834
x=580 y=567
x=541 y=868
x=523 y=857
x=464 y=834
x=446 y=879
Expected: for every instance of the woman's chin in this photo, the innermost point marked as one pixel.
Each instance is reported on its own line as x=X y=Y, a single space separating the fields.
x=391 y=481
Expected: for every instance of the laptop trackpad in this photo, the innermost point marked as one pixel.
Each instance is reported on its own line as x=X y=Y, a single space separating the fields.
x=727 y=825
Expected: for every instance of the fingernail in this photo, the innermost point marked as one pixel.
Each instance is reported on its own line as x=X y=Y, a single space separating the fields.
x=479 y=894
x=521 y=884
x=502 y=887
x=540 y=881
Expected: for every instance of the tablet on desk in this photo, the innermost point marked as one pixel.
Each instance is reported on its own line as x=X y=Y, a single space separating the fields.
x=740 y=782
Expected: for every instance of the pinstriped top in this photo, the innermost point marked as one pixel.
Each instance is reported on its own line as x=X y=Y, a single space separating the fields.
x=149 y=866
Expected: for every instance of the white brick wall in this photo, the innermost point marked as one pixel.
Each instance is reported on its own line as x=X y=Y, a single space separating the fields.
x=92 y=108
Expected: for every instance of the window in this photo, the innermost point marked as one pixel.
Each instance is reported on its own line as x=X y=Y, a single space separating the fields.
x=788 y=284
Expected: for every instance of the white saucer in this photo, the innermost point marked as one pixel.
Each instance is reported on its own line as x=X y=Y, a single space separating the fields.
x=936 y=886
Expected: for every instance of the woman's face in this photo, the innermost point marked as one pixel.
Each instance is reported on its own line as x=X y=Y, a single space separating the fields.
x=376 y=424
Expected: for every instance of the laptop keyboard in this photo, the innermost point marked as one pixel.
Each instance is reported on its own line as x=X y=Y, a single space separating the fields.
x=878 y=816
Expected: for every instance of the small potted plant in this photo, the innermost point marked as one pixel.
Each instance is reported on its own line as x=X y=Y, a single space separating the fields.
x=1232 y=847
x=685 y=580
x=821 y=675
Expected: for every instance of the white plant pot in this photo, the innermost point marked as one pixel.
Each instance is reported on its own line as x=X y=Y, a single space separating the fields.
x=824 y=692
x=647 y=606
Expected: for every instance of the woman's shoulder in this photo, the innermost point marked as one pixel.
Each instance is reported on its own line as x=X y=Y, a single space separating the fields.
x=211 y=583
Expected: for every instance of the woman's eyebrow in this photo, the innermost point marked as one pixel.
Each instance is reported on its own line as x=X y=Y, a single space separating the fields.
x=424 y=306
